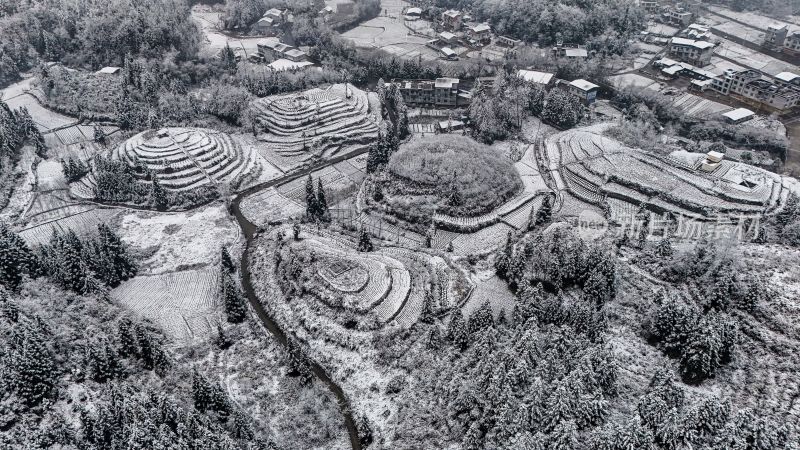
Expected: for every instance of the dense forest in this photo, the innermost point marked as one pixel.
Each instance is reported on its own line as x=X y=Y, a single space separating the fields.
x=93 y=33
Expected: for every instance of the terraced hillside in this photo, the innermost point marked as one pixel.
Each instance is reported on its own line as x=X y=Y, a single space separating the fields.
x=318 y=122
x=183 y=159
x=599 y=170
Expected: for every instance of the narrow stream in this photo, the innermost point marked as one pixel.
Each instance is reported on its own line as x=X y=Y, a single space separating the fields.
x=250 y=231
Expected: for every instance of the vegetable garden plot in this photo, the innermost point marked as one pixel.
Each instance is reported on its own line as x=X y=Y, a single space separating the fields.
x=83 y=223
x=183 y=303
x=482 y=241
x=270 y=206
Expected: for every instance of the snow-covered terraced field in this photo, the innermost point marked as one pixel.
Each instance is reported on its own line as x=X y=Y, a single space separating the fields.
x=316 y=122
x=591 y=167
x=182 y=303
x=185 y=158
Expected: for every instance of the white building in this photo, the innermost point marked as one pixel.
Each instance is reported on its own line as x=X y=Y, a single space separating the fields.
x=692 y=51
x=532 y=76
x=585 y=90
x=738 y=115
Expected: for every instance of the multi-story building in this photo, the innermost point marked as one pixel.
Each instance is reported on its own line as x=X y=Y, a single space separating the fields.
x=439 y=92
x=792 y=43
x=776 y=35
x=481 y=33
x=788 y=79
x=650 y=6
x=677 y=16
x=452 y=20
x=694 y=52
x=752 y=85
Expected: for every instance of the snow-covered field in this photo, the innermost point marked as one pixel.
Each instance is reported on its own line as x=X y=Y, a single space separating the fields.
x=182 y=240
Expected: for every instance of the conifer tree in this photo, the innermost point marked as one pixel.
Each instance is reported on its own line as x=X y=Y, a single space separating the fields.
x=543 y=214
x=373 y=158
x=234 y=302
x=364 y=242
x=222 y=340
x=126 y=337
x=323 y=213
x=16 y=259
x=158 y=195
x=311 y=200
x=102 y=361
x=30 y=369
x=226 y=261
x=457 y=330
x=481 y=318
x=99 y=135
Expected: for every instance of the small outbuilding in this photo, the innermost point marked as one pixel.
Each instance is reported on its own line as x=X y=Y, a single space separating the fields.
x=111 y=70
x=738 y=115
x=712 y=161
x=585 y=90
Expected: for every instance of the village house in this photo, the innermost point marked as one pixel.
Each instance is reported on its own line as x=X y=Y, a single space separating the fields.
x=776 y=35
x=676 y=16
x=481 y=33
x=272 y=21
x=585 y=90
x=541 y=78
x=792 y=44
x=452 y=20
x=752 y=85
x=439 y=92
x=738 y=115
x=694 y=52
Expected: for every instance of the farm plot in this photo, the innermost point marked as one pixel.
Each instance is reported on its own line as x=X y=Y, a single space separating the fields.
x=83 y=221
x=269 y=206
x=482 y=241
x=183 y=303
x=592 y=167
x=44 y=118
x=50 y=176
x=177 y=241
x=316 y=123
x=393 y=293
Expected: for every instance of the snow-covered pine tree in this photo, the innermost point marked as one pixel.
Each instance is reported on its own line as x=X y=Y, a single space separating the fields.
x=481 y=318
x=234 y=302
x=29 y=365
x=158 y=195
x=311 y=200
x=364 y=242
x=323 y=213
x=226 y=261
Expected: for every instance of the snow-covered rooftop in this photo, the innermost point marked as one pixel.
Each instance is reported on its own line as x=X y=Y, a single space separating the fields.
x=481 y=28
x=414 y=12
x=787 y=76
x=535 y=77
x=738 y=114
x=109 y=70
x=285 y=64
x=583 y=85
x=702 y=45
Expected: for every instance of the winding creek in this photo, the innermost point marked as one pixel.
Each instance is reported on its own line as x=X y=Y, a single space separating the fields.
x=251 y=231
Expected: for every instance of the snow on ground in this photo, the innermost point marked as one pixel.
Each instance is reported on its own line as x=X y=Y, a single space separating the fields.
x=181 y=240
x=50 y=176
x=183 y=304
x=494 y=291
x=216 y=41
x=753 y=59
x=23 y=192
